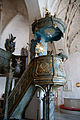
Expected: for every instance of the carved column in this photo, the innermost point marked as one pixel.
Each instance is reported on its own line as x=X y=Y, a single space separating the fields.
x=48 y=106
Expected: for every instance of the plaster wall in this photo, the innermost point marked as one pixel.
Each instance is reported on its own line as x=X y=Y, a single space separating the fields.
x=72 y=68
x=19 y=27
x=10 y=9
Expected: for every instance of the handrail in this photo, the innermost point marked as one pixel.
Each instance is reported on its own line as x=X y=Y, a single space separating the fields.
x=19 y=90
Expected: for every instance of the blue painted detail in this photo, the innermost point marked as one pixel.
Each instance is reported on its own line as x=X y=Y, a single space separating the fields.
x=48 y=106
x=59 y=65
x=49 y=70
x=60 y=24
x=51 y=107
x=63 y=55
x=17 y=114
x=50 y=28
x=49 y=33
x=45 y=47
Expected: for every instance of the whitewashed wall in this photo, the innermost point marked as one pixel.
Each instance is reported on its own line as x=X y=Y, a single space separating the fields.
x=72 y=68
x=19 y=27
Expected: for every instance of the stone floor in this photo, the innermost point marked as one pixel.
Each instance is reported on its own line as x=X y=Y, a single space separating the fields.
x=61 y=116
x=65 y=116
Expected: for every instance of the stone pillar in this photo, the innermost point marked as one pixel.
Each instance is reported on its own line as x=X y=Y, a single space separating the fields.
x=48 y=106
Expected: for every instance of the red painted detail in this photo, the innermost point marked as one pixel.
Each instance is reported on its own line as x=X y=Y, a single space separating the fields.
x=67 y=108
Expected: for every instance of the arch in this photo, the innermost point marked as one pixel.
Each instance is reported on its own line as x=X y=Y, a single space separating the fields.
x=10 y=10
x=33 y=10
x=19 y=27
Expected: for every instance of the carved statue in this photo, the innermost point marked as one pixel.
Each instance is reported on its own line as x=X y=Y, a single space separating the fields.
x=10 y=44
x=24 y=51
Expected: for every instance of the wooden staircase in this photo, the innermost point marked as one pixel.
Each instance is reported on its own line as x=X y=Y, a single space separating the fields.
x=21 y=94
x=40 y=71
